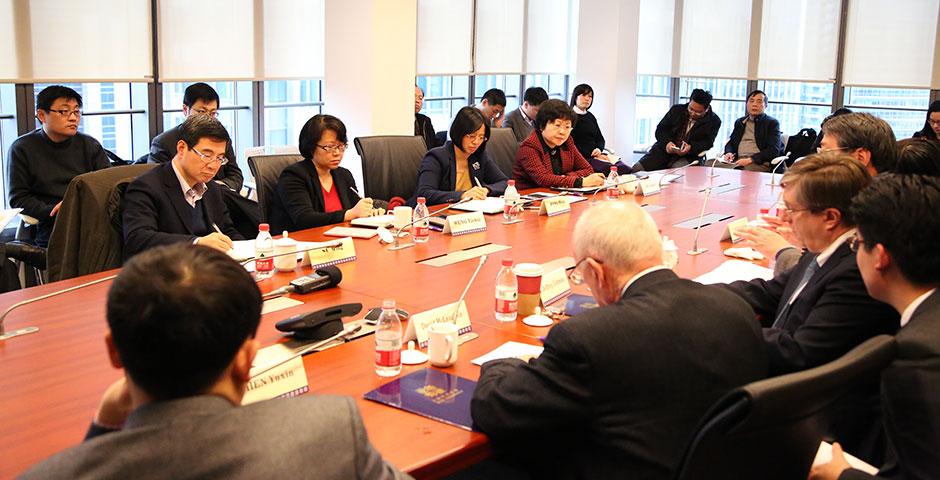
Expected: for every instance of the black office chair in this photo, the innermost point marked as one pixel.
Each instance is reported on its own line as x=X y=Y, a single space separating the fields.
x=390 y=165
x=501 y=148
x=771 y=429
x=266 y=169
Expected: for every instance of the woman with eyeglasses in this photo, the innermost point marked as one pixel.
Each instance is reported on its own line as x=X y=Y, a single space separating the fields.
x=317 y=191
x=461 y=168
x=931 y=128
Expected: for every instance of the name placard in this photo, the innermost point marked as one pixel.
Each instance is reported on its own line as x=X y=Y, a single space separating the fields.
x=419 y=323
x=554 y=285
x=331 y=253
x=554 y=206
x=464 y=223
x=286 y=380
x=731 y=231
x=649 y=186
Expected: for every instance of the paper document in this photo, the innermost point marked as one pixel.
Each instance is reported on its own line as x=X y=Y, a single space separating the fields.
x=824 y=455
x=8 y=215
x=351 y=232
x=663 y=179
x=374 y=222
x=488 y=205
x=279 y=303
x=242 y=250
x=734 y=270
x=522 y=351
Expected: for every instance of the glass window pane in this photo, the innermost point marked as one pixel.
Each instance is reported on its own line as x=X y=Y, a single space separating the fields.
x=815 y=99
x=903 y=108
x=443 y=96
x=657 y=85
x=7 y=131
x=649 y=111
x=509 y=84
x=554 y=84
x=288 y=106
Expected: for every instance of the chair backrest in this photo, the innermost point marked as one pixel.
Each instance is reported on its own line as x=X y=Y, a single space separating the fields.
x=390 y=165
x=771 y=428
x=266 y=169
x=502 y=148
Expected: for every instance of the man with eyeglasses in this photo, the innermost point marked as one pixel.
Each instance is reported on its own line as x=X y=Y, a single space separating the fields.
x=683 y=134
x=178 y=202
x=755 y=140
x=41 y=163
x=819 y=310
x=619 y=389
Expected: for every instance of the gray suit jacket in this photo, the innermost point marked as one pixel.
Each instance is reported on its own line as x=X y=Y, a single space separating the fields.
x=520 y=128
x=208 y=437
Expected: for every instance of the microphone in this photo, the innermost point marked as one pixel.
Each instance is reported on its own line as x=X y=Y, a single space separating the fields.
x=398 y=246
x=711 y=173
x=27 y=330
x=326 y=277
x=674 y=170
x=778 y=161
x=695 y=250
x=605 y=187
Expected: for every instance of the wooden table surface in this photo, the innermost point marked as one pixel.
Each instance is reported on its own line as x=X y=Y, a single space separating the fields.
x=51 y=381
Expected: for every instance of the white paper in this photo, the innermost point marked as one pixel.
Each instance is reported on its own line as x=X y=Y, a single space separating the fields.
x=374 y=222
x=663 y=179
x=824 y=455
x=746 y=253
x=487 y=205
x=279 y=303
x=734 y=270
x=242 y=250
x=351 y=232
x=510 y=350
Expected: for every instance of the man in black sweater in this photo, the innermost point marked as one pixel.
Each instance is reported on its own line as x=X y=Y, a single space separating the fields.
x=41 y=163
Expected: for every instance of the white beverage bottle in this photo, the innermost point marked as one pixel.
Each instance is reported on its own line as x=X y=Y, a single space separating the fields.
x=388 y=341
x=511 y=199
x=613 y=190
x=264 y=249
x=507 y=293
x=421 y=230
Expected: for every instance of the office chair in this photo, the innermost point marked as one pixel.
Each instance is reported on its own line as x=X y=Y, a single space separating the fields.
x=771 y=429
x=390 y=165
x=501 y=148
x=266 y=169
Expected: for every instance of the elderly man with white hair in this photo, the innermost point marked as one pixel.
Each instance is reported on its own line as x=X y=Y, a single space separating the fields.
x=619 y=389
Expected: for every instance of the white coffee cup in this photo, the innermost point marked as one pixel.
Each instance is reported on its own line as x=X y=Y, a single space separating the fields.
x=442 y=344
x=402 y=216
x=285 y=245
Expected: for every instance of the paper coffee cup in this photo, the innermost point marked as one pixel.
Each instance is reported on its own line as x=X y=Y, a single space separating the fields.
x=529 y=277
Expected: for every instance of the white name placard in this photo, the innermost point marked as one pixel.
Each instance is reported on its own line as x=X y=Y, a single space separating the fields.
x=554 y=206
x=649 y=186
x=331 y=253
x=731 y=231
x=286 y=380
x=554 y=285
x=464 y=223
x=419 y=323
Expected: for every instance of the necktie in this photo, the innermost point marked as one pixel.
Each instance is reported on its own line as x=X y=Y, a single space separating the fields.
x=811 y=269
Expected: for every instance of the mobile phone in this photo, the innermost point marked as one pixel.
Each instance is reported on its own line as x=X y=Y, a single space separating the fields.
x=373 y=315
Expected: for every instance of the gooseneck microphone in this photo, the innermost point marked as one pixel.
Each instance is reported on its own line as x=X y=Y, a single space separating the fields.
x=695 y=250
x=781 y=160
x=399 y=246
x=28 y=330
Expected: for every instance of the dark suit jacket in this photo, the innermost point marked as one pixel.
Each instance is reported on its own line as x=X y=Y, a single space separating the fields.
x=208 y=437
x=910 y=401
x=437 y=175
x=156 y=213
x=672 y=128
x=766 y=134
x=520 y=128
x=163 y=149
x=619 y=389
x=425 y=129
x=533 y=166
x=298 y=200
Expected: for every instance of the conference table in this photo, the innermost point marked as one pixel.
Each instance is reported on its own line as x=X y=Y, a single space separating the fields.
x=51 y=381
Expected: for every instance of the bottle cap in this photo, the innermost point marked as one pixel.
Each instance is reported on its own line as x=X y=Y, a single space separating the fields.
x=264 y=227
x=421 y=200
x=284 y=235
x=764 y=211
x=512 y=183
x=507 y=262
x=388 y=303
x=613 y=168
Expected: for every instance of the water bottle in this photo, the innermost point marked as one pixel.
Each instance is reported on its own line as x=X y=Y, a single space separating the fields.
x=421 y=228
x=511 y=198
x=264 y=248
x=388 y=341
x=507 y=293
x=613 y=190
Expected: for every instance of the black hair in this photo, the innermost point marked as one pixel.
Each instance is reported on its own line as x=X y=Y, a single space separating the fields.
x=200 y=91
x=864 y=130
x=756 y=92
x=178 y=314
x=467 y=121
x=495 y=96
x=313 y=130
x=581 y=90
x=902 y=212
x=50 y=94
x=196 y=127
x=927 y=131
x=552 y=110
x=918 y=156
x=535 y=96
x=701 y=97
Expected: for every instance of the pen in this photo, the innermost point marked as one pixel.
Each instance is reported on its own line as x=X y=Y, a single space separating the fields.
x=478 y=182
x=354 y=190
x=217 y=229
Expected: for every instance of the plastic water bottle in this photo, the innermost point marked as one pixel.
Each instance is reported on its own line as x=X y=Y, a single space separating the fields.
x=507 y=293
x=421 y=228
x=511 y=198
x=264 y=248
x=388 y=341
x=613 y=190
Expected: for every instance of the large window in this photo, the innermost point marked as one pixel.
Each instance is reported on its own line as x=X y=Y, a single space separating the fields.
x=443 y=96
x=729 y=100
x=555 y=85
x=288 y=104
x=7 y=131
x=652 y=103
x=903 y=108
x=509 y=84
x=798 y=105
x=115 y=114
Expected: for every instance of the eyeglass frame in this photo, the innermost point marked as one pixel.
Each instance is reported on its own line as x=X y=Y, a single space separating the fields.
x=66 y=112
x=202 y=156
x=211 y=113
x=334 y=149
x=574 y=276
x=855 y=241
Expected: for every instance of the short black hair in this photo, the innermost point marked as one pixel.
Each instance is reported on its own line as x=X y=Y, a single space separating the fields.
x=757 y=92
x=494 y=96
x=200 y=91
x=579 y=90
x=178 y=314
x=196 y=127
x=50 y=94
x=701 y=97
x=902 y=212
x=927 y=131
x=467 y=121
x=918 y=156
x=552 y=110
x=535 y=96
x=312 y=131
x=864 y=130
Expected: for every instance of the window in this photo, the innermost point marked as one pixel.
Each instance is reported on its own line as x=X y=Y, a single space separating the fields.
x=509 y=84
x=728 y=103
x=798 y=105
x=115 y=114
x=234 y=112
x=903 y=108
x=288 y=104
x=443 y=96
x=652 y=103
x=555 y=85
x=7 y=130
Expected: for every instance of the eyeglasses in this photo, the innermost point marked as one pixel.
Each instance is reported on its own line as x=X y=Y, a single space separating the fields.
x=67 y=113
x=575 y=276
x=202 y=111
x=209 y=160
x=790 y=211
x=933 y=122
x=475 y=138
x=334 y=148
x=696 y=114
x=854 y=242
x=564 y=128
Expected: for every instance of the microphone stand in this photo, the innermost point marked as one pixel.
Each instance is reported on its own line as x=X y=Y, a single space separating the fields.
x=695 y=250
x=711 y=173
x=671 y=172
x=780 y=161
x=400 y=246
x=27 y=330
x=453 y=316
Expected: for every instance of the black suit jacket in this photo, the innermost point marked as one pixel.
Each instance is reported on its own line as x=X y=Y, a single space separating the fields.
x=163 y=149
x=766 y=134
x=156 y=213
x=424 y=128
x=437 y=175
x=619 y=389
x=701 y=137
x=832 y=314
x=298 y=200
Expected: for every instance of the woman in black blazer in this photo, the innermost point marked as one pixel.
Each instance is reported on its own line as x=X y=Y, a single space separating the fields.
x=317 y=191
x=461 y=168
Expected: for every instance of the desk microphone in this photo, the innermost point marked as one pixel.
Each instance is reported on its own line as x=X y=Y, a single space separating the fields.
x=398 y=246
x=782 y=160
x=695 y=250
x=28 y=330
x=326 y=277
x=711 y=172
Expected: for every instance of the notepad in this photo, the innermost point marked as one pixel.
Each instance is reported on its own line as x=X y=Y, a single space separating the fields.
x=374 y=222
x=489 y=205
x=351 y=232
x=734 y=270
x=522 y=351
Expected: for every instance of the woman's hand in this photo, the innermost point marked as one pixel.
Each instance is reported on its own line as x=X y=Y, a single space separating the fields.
x=593 y=180
x=362 y=209
x=475 y=193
